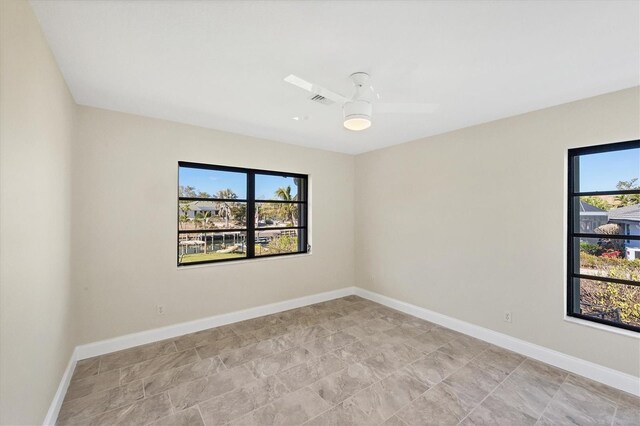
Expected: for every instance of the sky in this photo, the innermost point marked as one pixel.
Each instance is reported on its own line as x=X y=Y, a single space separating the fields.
x=602 y=172
x=211 y=181
x=598 y=172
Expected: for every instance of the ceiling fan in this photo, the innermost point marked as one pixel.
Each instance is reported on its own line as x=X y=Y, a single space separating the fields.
x=358 y=109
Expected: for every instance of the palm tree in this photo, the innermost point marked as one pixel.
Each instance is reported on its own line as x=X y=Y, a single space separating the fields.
x=223 y=206
x=184 y=207
x=287 y=210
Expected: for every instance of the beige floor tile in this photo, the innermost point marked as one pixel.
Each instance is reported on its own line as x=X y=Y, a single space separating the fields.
x=189 y=417
x=438 y=406
x=77 y=411
x=495 y=412
x=250 y=352
x=225 y=345
x=394 y=421
x=435 y=367
x=100 y=382
x=85 y=368
x=176 y=376
x=502 y=359
x=339 y=386
x=157 y=365
x=342 y=414
x=241 y=401
x=191 y=393
x=573 y=404
x=305 y=374
x=203 y=338
x=292 y=409
x=273 y=364
x=134 y=355
x=383 y=399
x=251 y=325
x=139 y=413
x=331 y=342
x=471 y=385
x=464 y=348
x=301 y=336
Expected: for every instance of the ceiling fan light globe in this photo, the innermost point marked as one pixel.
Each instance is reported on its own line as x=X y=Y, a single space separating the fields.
x=357 y=123
x=357 y=115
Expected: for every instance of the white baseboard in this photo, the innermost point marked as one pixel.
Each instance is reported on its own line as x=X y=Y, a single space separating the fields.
x=608 y=376
x=54 y=408
x=597 y=372
x=130 y=340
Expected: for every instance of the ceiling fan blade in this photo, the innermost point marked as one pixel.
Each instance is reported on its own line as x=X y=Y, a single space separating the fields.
x=314 y=88
x=404 y=108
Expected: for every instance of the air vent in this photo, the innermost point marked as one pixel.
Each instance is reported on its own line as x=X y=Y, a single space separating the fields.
x=321 y=100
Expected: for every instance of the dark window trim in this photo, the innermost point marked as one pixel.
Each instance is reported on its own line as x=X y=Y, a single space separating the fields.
x=251 y=229
x=573 y=293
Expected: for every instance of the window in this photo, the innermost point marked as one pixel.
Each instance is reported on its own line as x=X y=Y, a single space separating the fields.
x=230 y=213
x=604 y=234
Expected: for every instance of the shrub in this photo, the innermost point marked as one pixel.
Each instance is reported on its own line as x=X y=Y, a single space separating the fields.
x=590 y=248
x=283 y=244
x=625 y=298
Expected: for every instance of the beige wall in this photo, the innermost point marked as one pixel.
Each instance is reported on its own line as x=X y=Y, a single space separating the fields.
x=36 y=112
x=125 y=215
x=471 y=223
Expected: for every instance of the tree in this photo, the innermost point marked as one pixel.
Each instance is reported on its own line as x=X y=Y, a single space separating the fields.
x=598 y=202
x=288 y=211
x=630 y=199
x=184 y=207
x=204 y=217
x=187 y=191
x=224 y=207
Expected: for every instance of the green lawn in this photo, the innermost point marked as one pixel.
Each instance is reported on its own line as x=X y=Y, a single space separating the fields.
x=199 y=257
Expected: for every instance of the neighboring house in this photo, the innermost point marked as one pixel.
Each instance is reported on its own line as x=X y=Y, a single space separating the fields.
x=591 y=217
x=629 y=219
x=196 y=207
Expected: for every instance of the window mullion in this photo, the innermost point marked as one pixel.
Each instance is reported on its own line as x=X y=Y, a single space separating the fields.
x=251 y=214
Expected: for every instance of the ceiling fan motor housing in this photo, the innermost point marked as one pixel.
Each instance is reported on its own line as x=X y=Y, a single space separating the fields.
x=357 y=115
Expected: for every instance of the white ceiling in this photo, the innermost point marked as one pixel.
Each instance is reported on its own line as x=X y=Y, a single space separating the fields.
x=221 y=64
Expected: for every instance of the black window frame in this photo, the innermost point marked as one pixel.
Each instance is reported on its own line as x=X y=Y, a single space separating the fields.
x=251 y=201
x=573 y=237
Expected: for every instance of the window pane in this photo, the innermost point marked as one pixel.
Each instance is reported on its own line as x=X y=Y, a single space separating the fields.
x=211 y=246
x=613 y=302
x=609 y=171
x=270 y=187
x=270 y=215
x=277 y=241
x=608 y=214
x=591 y=213
x=211 y=183
x=621 y=261
x=211 y=215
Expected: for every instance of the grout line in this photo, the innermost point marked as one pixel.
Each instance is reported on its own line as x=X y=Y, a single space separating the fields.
x=430 y=386
x=173 y=409
x=615 y=412
x=200 y=412
x=493 y=390
x=553 y=397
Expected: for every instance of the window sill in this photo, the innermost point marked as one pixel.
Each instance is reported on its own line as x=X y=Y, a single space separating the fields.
x=243 y=262
x=603 y=327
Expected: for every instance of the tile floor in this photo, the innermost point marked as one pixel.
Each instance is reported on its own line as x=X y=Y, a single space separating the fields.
x=347 y=361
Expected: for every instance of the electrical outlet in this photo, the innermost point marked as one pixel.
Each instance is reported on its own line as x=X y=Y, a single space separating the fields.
x=507 y=316
x=160 y=309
